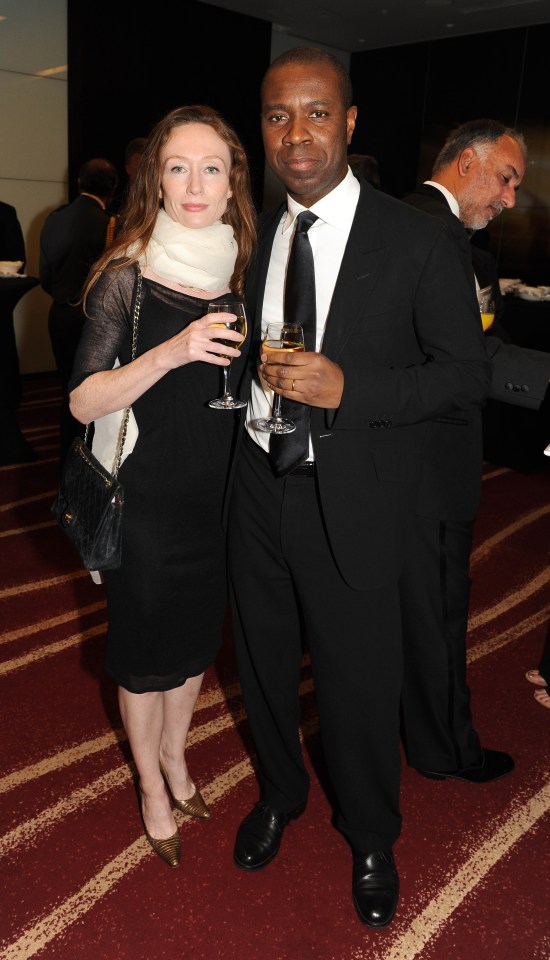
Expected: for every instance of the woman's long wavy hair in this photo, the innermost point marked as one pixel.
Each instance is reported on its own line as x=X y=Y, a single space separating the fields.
x=138 y=217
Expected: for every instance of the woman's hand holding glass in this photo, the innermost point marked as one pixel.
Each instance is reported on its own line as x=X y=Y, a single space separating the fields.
x=232 y=317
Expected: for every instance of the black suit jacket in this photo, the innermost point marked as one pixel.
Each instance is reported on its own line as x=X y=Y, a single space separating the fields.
x=432 y=201
x=452 y=471
x=72 y=238
x=12 y=243
x=404 y=327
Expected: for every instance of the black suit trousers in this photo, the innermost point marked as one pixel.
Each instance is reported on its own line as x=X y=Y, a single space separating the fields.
x=65 y=324
x=286 y=590
x=435 y=594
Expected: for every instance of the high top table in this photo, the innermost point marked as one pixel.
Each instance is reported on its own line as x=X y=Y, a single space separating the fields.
x=516 y=436
x=14 y=448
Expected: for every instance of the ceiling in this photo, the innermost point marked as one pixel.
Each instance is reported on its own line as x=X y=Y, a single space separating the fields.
x=355 y=25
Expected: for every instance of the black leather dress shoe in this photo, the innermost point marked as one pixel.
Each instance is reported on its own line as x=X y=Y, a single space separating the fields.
x=259 y=836
x=493 y=765
x=375 y=887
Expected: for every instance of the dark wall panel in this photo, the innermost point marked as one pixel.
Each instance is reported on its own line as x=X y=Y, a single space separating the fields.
x=527 y=247
x=389 y=90
x=126 y=71
x=475 y=76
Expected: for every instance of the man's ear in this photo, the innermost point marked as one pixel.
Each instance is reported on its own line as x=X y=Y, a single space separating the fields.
x=351 y=117
x=467 y=159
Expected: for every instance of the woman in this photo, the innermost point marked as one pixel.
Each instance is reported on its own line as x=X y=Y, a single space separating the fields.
x=189 y=223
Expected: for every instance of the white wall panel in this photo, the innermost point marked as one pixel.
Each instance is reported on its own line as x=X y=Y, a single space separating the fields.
x=34 y=154
x=33 y=35
x=33 y=122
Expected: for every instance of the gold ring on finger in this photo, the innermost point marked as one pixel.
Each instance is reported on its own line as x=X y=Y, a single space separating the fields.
x=293 y=386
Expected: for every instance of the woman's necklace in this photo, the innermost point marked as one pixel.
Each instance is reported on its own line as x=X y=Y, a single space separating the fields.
x=188 y=286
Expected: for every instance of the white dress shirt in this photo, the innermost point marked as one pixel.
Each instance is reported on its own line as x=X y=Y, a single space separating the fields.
x=328 y=237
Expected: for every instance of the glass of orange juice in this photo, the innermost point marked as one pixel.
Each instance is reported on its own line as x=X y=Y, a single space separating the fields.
x=486 y=307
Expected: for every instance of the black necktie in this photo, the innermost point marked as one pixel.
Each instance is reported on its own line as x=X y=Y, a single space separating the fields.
x=287 y=451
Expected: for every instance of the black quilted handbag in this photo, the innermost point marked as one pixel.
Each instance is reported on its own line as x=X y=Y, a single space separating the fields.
x=89 y=502
x=89 y=508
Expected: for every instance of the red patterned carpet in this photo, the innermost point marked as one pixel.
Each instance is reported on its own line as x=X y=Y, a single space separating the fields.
x=80 y=882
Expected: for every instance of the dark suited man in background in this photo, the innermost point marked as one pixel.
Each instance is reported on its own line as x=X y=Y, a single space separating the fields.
x=12 y=242
x=366 y=166
x=475 y=177
x=14 y=447
x=133 y=153
x=71 y=239
x=318 y=519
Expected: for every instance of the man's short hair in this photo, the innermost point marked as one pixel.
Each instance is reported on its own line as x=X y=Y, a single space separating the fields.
x=474 y=133
x=98 y=176
x=306 y=56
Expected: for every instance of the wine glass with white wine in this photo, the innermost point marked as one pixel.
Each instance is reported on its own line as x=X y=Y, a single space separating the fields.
x=227 y=401
x=280 y=339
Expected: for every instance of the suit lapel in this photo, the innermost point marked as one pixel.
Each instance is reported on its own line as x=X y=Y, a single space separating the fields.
x=361 y=264
x=456 y=226
x=363 y=259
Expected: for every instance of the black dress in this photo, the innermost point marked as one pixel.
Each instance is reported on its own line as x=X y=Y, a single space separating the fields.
x=166 y=603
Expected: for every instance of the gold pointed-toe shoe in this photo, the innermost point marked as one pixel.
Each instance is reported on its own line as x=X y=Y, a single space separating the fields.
x=168 y=849
x=194 y=807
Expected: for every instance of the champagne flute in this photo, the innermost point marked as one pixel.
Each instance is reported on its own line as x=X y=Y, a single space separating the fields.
x=227 y=401
x=285 y=338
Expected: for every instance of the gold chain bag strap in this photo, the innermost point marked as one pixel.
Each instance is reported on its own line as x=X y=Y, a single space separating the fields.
x=89 y=502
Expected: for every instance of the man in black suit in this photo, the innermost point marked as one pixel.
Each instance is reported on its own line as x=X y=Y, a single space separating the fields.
x=133 y=153
x=72 y=238
x=14 y=447
x=316 y=548
x=475 y=177
x=12 y=242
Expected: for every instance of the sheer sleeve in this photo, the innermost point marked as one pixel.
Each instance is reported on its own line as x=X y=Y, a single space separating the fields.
x=107 y=332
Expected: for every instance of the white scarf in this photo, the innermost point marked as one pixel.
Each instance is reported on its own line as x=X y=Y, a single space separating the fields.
x=200 y=258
